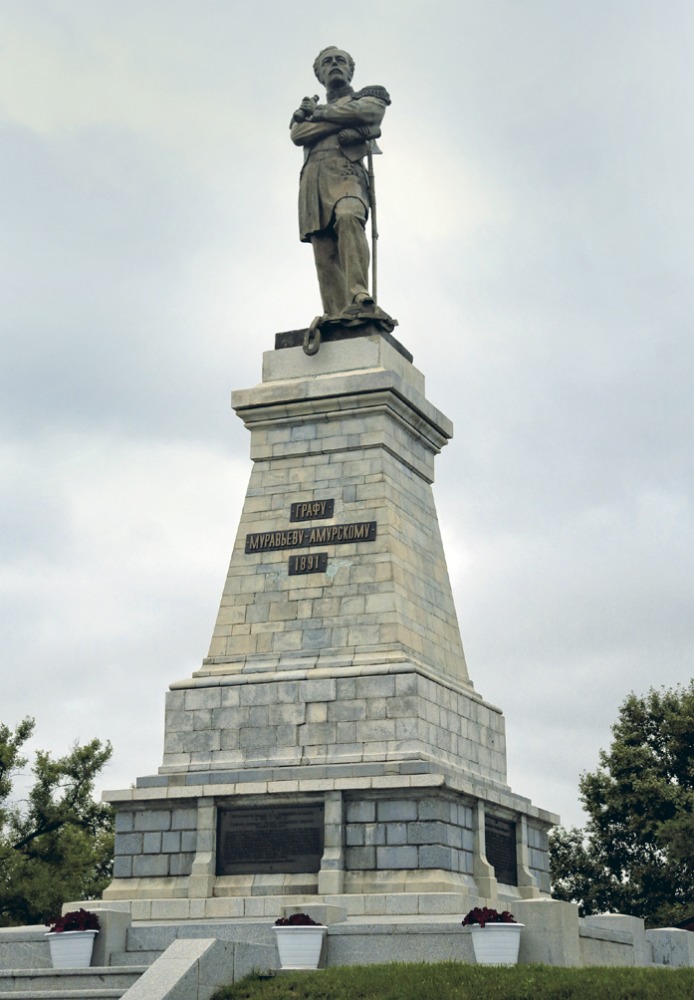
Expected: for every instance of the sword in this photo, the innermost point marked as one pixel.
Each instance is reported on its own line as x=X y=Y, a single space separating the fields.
x=374 y=226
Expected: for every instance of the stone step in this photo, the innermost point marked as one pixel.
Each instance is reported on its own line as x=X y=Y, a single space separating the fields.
x=143 y=958
x=87 y=984
x=62 y=995
x=91 y=994
x=432 y=895
x=145 y=939
x=24 y=948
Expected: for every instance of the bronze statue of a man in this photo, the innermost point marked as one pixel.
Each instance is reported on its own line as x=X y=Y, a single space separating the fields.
x=334 y=195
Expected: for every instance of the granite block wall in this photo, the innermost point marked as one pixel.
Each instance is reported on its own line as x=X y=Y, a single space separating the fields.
x=365 y=440
x=538 y=856
x=408 y=833
x=155 y=842
x=387 y=716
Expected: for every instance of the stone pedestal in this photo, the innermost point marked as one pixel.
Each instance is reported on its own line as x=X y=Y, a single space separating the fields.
x=335 y=679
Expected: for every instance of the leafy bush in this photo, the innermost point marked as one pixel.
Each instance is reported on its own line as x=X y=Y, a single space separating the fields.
x=636 y=853
x=57 y=843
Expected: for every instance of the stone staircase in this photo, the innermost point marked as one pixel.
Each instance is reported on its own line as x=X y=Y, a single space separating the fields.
x=107 y=983
x=26 y=972
x=188 y=960
x=149 y=962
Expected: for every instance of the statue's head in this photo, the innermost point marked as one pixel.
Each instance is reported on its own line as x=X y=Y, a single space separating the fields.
x=333 y=66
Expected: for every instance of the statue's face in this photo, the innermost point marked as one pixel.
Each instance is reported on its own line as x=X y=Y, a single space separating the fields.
x=334 y=68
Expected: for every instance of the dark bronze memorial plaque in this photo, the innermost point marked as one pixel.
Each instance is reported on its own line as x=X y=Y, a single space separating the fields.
x=299 y=538
x=500 y=838
x=316 y=563
x=258 y=839
x=307 y=510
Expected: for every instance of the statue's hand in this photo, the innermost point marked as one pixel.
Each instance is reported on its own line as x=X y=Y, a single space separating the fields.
x=306 y=109
x=349 y=136
x=308 y=105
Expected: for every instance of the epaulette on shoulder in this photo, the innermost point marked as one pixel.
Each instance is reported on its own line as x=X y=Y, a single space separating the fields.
x=380 y=92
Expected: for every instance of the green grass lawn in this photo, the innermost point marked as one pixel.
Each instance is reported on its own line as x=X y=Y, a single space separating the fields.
x=458 y=981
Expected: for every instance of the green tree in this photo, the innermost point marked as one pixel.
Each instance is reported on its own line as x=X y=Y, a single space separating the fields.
x=57 y=844
x=636 y=852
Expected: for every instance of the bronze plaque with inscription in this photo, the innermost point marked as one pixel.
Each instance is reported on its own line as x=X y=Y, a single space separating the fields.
x=257 y=839
x=307 y=510
x=500 y=839
x=309 y=563
x=298 y=538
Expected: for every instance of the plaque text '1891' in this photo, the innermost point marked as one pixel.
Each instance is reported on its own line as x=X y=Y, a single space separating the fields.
x=310 y=563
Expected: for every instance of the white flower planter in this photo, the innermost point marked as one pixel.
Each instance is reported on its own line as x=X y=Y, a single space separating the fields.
x=496 y=944
x=300 y=947
x=71 y=949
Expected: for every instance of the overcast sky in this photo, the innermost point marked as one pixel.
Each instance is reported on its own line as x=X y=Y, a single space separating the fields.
x=536 y=218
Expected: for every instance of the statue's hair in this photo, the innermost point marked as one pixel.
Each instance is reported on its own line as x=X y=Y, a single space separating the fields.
x=332 y=48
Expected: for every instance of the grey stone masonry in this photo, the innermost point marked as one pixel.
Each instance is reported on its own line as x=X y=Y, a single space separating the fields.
x=155 y=842
x=538 y=855
x=365 y=439
x=425 y=832
x=335 y=673
x=363 y=659
x=388 y=828
x=259 y=721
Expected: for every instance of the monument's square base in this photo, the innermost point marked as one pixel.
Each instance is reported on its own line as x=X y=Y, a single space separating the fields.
x=218 y=840
x=331 y=747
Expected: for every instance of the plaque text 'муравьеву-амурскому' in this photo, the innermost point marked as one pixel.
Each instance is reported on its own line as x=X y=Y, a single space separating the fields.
x=299 y=538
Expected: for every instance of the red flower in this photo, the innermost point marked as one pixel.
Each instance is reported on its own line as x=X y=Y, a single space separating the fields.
x=297 y=920
x=76 y=920
x=484 y=915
